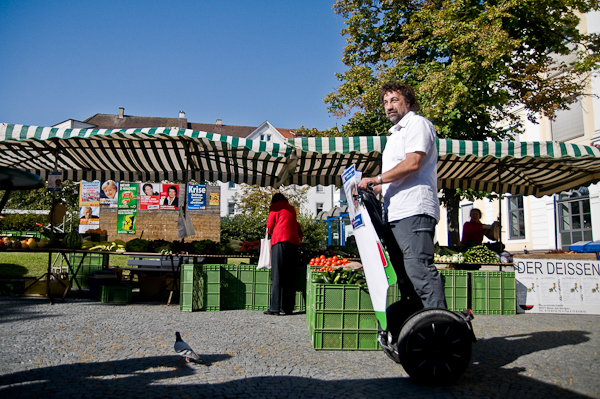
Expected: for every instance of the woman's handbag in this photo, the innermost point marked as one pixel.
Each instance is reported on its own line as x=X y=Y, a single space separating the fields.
x=264 y=260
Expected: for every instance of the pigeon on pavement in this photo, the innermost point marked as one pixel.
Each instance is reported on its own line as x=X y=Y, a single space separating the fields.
x=184 y=350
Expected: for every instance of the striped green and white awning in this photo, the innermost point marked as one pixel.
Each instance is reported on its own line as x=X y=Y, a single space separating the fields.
x=156 y=154
x=149 y=154
x=528 y=168
x=322 y=160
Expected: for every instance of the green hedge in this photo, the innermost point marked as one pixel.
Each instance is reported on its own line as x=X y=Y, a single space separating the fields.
x=23 y=222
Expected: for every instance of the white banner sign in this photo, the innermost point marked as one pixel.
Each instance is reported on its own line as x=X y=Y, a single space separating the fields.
x=558 y=286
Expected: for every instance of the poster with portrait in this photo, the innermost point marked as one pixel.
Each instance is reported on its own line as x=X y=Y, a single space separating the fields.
x=350 y=179
x=128 y=197
x=109 y=194
x=89 y=193
x=54 y=181
x=196 y=197
x=149 y=196
x=89 y=218
x=126 y=221
x=169 y=197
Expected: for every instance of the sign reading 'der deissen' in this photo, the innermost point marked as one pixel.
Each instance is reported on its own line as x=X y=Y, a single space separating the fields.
x=558 y=286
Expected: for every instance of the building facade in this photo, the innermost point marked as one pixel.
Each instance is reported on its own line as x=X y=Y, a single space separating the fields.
x=551 y=222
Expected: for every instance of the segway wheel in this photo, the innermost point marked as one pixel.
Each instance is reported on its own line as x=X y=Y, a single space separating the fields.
x=435 y=347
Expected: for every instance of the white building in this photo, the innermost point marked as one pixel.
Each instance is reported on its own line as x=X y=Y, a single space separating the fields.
x=551 y=222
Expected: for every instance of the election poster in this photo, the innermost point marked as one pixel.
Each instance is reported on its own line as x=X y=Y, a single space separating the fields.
x=54 y=181
x=557 y=286
x=128 y=196
x=350 y=179
x=169 y=197
x=126 y=221
x=109 y=194
x=89 y=193
x=89 y=218
x=196 y=197
x=149 y=196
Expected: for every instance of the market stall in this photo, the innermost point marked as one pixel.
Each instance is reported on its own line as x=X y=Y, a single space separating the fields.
x=154 y=154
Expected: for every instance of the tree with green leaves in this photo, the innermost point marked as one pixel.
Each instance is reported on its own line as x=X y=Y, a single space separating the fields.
x=471 y=62
x=253 y=204
x=255 y=200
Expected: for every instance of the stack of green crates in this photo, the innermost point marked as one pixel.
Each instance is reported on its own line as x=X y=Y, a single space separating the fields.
x=89 y=263
x=493 y=293
x=341 y=316
x=230 y=287
x=456 y=288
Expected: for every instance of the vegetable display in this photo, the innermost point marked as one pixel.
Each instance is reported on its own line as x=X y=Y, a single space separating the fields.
x=481 y=254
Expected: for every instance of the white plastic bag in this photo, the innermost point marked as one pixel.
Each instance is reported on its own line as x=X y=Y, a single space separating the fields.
x=264 y=260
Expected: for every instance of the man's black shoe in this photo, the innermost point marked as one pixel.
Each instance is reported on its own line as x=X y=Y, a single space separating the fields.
x=270 y=312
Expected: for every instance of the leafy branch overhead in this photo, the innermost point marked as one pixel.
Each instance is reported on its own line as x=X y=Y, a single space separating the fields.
x=473 y=63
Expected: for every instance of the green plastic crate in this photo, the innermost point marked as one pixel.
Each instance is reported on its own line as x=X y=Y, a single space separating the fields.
x=212 y=287
x=340 y=297
x=233 y=291
x=344 y=340
x=456 y=288
x=330 y=320
x=493 y=292
x=191 y=293
x=115 y=294
x=300 y=303
x=90 y=263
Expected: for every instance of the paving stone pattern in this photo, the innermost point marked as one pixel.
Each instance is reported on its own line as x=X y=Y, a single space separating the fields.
x=87 y=349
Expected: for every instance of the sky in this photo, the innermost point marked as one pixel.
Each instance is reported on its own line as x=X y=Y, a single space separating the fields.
x=241 y=61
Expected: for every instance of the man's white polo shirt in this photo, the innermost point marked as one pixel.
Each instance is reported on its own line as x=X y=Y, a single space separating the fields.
x=415 y=194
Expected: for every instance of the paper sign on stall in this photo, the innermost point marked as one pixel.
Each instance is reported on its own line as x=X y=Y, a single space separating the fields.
x=558 y=286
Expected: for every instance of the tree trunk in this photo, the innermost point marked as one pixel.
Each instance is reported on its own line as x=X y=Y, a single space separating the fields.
x=452 y=205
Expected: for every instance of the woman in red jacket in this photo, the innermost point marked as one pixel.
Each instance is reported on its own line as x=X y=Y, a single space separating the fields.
x=285 y=240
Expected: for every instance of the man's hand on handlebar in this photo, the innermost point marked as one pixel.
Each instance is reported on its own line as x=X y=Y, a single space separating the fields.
x=375 y=186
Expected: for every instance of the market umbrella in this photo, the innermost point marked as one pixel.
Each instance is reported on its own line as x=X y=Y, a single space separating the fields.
x=15 y=179
x=148 y=154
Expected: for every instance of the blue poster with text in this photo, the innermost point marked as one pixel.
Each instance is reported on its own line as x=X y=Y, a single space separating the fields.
x=197 y=197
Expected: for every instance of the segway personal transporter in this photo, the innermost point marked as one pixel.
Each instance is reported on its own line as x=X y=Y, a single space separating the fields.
x=432 y=345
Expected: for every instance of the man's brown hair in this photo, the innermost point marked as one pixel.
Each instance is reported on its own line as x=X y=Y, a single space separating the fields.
x=405 y=90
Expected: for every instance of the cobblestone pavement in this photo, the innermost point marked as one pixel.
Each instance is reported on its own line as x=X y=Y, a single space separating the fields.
x=84 y=348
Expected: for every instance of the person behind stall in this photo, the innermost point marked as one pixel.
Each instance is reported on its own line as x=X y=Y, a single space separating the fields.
x=286 y=234
x=473 y=230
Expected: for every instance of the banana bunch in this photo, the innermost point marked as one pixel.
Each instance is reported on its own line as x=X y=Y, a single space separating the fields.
x=113 y=246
